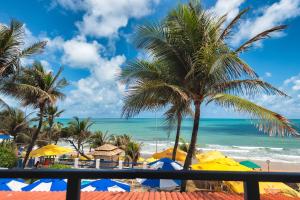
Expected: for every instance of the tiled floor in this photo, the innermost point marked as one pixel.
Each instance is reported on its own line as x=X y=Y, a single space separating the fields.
x=134 y=196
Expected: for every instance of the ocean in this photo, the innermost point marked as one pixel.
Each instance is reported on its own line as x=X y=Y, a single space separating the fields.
x=236 y=138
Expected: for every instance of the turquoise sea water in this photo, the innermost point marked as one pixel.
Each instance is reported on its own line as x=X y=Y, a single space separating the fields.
x=235 y=137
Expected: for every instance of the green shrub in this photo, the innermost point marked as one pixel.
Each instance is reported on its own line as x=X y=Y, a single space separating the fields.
x=59 y=166
x=8 y=157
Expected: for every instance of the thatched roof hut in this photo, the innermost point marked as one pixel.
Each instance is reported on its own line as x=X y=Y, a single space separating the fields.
x=109 y=154
x=107 y=150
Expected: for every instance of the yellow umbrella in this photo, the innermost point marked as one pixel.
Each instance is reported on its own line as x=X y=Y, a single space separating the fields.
x=264 y=188
x=209 y=156
x=149 y=160
x=141 y=159
x=50 y=150
x=221 y=164
x=82 y=157
x=180 y=155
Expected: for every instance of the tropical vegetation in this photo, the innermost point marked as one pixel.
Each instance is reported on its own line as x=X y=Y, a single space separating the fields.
x=192 y=60
x=8 y=157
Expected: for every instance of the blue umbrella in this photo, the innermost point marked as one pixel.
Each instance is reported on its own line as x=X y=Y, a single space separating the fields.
x=167 y=184
x=165 y=164
x=5 y=137
x=47 y=185
x=106 y=185
x=10 y=184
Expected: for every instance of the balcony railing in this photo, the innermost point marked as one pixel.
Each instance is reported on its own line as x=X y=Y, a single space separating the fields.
x=250 y=179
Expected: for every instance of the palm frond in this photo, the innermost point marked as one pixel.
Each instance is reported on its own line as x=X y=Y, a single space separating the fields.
x=260 y=36
x=36 y=48
x=233 y=22
x=231 y=66
x=249 y=87
x=266 y=120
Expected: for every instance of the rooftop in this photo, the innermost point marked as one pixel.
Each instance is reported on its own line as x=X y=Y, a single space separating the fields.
x=136 y=196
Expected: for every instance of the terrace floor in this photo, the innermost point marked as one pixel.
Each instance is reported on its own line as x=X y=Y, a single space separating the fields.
x=135 y=196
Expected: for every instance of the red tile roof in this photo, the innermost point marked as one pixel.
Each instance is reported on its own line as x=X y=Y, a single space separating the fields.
x=135 y=196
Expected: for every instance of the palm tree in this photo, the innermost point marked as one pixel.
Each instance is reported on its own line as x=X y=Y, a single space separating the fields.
x=154 y=94
x=78 y=134
x=193 y=46
x=98 y=138
x=133 y=151
x=14 y=121
x=11 y=49
x=120 y=141
x=183 y=146
x=37 y=88
x=51 y=112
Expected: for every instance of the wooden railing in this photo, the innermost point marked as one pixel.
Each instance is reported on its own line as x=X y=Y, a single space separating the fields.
x=250 y=179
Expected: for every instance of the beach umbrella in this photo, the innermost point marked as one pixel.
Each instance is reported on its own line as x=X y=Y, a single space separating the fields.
x=180 y=155
x=105 y=185
x=250 y=164
x=209 y=156
x=165 y=184
x=9 y=184
x=221 y=164
x=264 y=188
x=165 y=164
x=5 y=137
x=151 y=159
x=50 y=150
x=46 y=185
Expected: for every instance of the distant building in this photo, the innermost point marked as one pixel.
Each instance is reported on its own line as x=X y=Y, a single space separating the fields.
x=108 y=155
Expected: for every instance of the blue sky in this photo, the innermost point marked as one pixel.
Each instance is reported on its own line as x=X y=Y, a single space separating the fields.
x=91 y=39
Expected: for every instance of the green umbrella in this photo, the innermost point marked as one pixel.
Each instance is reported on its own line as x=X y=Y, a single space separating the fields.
x=250 y=164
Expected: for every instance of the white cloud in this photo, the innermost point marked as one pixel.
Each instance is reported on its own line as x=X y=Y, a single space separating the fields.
x=231 y=8
x=289 y=107
x=103 y=18
x=271 y=16
x=98 y=94
x=69 y=4
x=80 y=53
x=268 y=74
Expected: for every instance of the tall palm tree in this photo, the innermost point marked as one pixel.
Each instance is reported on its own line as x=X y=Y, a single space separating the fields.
x=133 y=151
x=37 y=88
x=120 y=141
x=78 y=133
x=98 y=138
x=11 y=49
x=14 y=121
x=193 y=46
x=154 y=94
x=51 y=112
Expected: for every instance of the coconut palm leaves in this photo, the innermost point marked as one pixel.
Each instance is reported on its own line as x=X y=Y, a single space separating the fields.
x=190 y=50
x=14 y=121
x=78 y=133
x=37 y=88
x=98 y=138
x=11 y=43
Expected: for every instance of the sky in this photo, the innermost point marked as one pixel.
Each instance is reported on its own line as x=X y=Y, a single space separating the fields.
x=92 y=40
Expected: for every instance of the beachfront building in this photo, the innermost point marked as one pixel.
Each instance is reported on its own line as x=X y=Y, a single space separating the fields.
x=108 y=155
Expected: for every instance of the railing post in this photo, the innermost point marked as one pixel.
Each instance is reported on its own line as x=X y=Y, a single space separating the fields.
x=120 y=164
x=73 y=189
x=251 y=190
x=76 y=163
x=97 y=163
x=145 y=165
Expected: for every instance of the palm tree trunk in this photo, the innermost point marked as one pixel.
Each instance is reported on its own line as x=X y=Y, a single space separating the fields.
x=179 y=119
x=34 y=137
x=188 y=160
